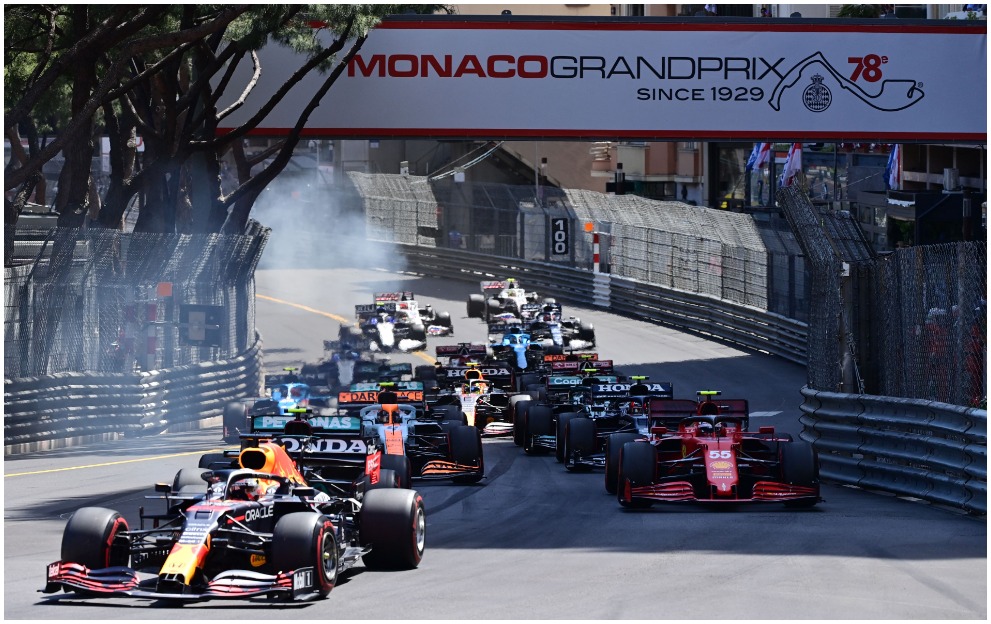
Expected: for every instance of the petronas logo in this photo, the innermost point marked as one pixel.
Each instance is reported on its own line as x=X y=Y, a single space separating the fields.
x=817 y=97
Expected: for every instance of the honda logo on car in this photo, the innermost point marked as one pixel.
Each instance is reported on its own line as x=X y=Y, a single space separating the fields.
x=325 y=445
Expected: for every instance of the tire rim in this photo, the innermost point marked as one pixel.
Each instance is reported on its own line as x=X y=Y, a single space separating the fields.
x=420 y=528
x=328 y=556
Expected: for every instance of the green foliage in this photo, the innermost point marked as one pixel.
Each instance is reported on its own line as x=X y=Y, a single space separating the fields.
x=860 y=10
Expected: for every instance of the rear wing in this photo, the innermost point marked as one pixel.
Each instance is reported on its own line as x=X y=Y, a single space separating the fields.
x=571 y=357
x=490 y=285
x=575 y=366
x=501 y=376
x=321 y=424
x=404 y=295
x=462 y=349
x=622 y=390
x=374 y=371
x=369 y=386
x=356 y=398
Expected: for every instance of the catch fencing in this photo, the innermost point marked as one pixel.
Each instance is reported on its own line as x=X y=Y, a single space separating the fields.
x=93 y=332
x=713 y=253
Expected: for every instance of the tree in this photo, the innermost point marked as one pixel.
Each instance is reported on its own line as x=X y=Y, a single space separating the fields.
x=74 y=72
x=860 y=10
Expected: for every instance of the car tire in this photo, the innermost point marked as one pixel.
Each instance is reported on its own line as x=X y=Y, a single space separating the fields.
x=451 y=413
x=425 y=373
x=306 y=540
x=579 y=437
x=235 y=421
x=466 y=448
x=800 y=466
x=586 y=332
x=519 y=418
x=476 y=306
x=527 y=379
x=638 y=466
x=393 y=523
x=614 y=446
x=538 y=421
x=388 y=480
x=93 y=537
x=400 y=465
x=444 y=320
x=208 y=460
x=189 y=481
x=561 y=440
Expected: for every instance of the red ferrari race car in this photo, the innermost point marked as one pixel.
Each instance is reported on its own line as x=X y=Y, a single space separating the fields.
x=251 y=526
x=712 y=458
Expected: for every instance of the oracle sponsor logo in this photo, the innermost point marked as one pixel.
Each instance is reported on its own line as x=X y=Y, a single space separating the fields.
x=564 y=67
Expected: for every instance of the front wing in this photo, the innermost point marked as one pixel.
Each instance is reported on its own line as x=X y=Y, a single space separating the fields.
x=683 y=491
x=232 y=584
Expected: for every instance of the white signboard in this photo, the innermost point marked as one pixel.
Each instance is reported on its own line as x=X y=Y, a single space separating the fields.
x=671 y=79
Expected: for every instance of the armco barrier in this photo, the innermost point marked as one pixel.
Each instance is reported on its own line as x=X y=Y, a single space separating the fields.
x=750 y=327
x=74 y=408
x=932 y=451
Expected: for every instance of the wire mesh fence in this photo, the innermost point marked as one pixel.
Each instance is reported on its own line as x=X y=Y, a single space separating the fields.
x=699 y=250
x=108 y=301
x=910 y=324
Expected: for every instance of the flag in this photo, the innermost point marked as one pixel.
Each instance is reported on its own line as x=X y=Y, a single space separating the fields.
x=793 y=165
x=893 y=170
x=764 y=156
x=759 y=156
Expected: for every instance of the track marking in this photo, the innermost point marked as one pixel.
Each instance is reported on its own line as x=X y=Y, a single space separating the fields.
x=340 y=319
x=114 y=463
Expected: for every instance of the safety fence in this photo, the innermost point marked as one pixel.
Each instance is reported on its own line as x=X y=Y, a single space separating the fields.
x=71 y=408
x=108 y=301
x=734 y=257
x=927 y=450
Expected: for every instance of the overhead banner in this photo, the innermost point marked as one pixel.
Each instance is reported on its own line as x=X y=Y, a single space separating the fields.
x=676 y=79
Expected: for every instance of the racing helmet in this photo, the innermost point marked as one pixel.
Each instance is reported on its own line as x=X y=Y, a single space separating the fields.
x=244 y=489
x=296 y=392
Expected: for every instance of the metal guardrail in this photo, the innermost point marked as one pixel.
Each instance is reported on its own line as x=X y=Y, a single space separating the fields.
x=750 y=327
x=933 y=451
x=73 y=408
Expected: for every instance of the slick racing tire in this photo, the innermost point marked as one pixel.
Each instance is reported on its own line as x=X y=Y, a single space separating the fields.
x=466 y=448
x=388 y=480
x=214 y=460
x=637 y=466
x=586 y=332
x=799 y=466
x=476 y=306
x=614 y=444
x=520 y=408
x=306 y=540
x=235 y=421
x=400 y=465
x=393 y=523
x=444 y=320
x=562 y=423
x=94 y=537
x=426 y=374
x=527 y=379
x=538 y=421
x=579 y=438
x=189 y=481
x=451 y=413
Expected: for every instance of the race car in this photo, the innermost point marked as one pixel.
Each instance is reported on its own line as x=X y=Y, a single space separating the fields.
x=577 y=431
x=480 y=393
x=431 y=445
x=548 y=326
x=498 y=297
x=258 y=527
x=515 y=347
x=285 y=392
x=713 y=459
